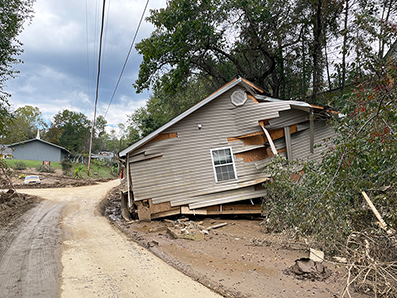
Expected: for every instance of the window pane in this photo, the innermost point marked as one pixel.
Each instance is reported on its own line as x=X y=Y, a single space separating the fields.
x=225 y=173
x=228 y=156
x=223 y=164
x=215 y=155
x=222 y=157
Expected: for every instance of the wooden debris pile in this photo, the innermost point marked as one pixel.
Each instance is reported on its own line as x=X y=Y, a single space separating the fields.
x=187 y=229
x=372 y=265
x=372 y=259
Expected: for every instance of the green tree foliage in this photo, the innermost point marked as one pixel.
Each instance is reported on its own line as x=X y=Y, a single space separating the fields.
x=266 y=42
x=70 y=130
x=13 y=13
x=100 y=136
x=25 y=124
x=328 y=202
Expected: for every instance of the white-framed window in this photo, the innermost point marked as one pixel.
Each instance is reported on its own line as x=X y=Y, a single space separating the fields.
x=223 y=164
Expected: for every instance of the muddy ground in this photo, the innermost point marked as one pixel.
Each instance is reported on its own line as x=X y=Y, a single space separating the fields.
x=13 y=204
x=237 y=260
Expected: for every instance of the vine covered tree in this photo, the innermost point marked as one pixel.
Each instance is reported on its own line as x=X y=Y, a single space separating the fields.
x=13 y=14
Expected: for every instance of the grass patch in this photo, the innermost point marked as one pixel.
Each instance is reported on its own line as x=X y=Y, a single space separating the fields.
x=98 y=169
x=31 y=163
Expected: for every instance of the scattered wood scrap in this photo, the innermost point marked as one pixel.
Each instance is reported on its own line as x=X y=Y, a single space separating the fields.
x=186 y=229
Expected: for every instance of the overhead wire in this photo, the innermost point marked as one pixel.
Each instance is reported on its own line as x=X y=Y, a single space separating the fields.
x=97 y=82
x=128 y=56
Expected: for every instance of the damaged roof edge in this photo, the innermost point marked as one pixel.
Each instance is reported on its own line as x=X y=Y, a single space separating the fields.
x=181 y=116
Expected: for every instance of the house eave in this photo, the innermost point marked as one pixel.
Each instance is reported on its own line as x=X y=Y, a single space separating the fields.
x=202 y=103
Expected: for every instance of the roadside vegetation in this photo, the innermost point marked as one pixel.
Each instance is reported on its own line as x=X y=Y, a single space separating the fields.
x=76 y=170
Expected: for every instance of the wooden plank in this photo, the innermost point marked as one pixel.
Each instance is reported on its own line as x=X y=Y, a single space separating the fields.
x=175 y=211
x=186 y=210
x=382 y=223
x=157 y=208
x=250 y=96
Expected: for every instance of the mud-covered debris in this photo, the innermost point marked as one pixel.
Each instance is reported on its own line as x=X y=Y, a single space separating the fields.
x=259 y=242
x=186 y=233
x=306 y=268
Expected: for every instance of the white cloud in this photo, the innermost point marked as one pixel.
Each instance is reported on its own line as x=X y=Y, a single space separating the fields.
x=59 y=73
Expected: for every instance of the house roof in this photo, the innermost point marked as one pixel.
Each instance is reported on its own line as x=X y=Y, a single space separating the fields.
x=38 y=140
x=206 y=100
x=5 y=149
x=253 y=89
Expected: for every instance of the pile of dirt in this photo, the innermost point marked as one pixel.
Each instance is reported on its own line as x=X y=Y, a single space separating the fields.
x=238 y=259
x=13 y=205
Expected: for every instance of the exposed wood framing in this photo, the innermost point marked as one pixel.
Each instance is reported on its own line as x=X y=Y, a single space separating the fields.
x=250 y=96
x=165 y=136
x=259 y=138
x=253 y=86
x=234 y=209
x=174 y=211
x=241 y=138
x=224 y=209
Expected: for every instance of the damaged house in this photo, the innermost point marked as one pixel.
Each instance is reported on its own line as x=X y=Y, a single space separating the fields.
x=212 y=158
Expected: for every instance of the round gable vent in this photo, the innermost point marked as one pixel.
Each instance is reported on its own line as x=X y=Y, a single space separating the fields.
x=238 y=98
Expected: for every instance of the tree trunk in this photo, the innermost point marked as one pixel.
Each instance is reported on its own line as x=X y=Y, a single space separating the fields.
x=317 y=46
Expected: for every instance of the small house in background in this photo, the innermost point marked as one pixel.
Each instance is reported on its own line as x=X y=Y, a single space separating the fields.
x=37 y=149
x=103 y=155
x=5 y=152
x=212 y=158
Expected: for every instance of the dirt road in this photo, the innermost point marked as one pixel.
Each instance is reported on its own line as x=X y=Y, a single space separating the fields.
x=87 y=258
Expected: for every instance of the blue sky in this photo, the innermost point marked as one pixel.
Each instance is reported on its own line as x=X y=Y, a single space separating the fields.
x=61 y=55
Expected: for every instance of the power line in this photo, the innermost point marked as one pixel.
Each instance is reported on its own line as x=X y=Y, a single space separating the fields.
x=97 y=83
x=128 y=56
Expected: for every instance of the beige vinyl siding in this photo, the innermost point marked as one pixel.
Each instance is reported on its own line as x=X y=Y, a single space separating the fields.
x=185 y=171
x=182 y=172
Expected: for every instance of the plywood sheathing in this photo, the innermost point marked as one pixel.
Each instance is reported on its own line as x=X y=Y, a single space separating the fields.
x=253 y=155
x=164 y=136
x=156 y=208
x=259 y=138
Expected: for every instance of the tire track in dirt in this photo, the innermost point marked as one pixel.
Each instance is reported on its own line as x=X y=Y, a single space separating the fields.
x=97 y=259
x=30 y=253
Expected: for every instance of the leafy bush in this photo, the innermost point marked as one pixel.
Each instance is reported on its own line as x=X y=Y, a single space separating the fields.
x=45 y=169
x=328 y=203
x=78 y=171
x=66 y=167
x=20 y=165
